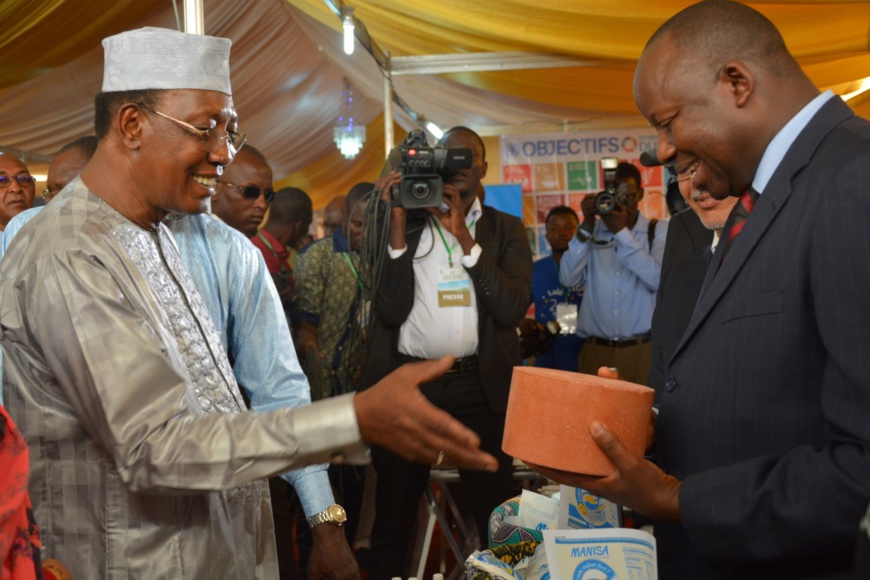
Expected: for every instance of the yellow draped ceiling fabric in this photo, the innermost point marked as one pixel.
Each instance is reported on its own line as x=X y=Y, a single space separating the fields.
x=38 y=36
x=830 y=39
x=286 y=91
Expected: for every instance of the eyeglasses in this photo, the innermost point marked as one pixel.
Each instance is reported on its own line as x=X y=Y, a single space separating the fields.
x=206 y=136
x=252 y=192
x=687 y=173
x=25 y=180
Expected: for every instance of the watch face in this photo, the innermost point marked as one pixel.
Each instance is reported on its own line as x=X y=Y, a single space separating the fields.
x=336 y=514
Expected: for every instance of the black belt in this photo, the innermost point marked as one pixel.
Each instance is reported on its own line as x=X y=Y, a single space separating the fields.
x=466 y=364
x=639 y=339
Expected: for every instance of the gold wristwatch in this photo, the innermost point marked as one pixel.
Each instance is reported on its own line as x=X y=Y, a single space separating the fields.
x=334 y=515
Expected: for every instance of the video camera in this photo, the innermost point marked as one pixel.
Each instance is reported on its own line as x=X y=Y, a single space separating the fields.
x=424 y=168
x=607 y=200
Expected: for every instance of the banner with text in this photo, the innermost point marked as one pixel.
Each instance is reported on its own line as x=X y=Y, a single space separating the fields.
x=560 y=168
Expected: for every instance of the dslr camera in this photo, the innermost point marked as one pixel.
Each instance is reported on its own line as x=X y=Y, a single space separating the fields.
x=607 y=200
x=535 y=337
x=423 y=169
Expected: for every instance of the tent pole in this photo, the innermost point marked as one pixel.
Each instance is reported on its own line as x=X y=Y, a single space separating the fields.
x=388 y=107
x=194 y=19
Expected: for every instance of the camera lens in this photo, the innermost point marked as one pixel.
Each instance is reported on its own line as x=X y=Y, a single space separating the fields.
x=604 y=203
x=420 y=189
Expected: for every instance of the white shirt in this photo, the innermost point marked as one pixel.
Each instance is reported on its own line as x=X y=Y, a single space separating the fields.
x=715 y=244
x=431 y=331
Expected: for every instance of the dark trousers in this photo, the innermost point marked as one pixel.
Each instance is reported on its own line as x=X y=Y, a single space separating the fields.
x=285 y=508
x=401 y=484
x=862 y=556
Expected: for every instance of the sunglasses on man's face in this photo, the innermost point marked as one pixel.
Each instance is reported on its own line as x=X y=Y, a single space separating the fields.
x=252 y=192
x=23 y=180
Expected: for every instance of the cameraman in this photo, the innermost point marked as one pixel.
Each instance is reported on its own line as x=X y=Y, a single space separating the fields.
x=486 y=254
x=618 y=256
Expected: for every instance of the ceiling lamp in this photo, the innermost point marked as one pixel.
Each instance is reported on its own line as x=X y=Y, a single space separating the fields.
x=349 y=137
x=348 y=28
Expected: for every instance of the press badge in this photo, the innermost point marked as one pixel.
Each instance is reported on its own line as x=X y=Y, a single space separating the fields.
x=454 y=287
x=566 y=316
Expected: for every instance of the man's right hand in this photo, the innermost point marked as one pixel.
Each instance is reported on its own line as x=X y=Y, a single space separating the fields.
x=395 y=415
x=587 y=206
x=306 y=339
x=398 y=215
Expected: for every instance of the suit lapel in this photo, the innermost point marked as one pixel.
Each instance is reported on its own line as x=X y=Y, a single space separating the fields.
x=483 y=231
x=483 y=235
x=721 y=273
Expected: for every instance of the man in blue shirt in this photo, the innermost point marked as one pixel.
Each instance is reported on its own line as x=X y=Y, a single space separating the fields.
x=618 y=256
x=553 y=301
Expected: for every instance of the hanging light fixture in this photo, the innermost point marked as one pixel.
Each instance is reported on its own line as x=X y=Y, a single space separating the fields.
x=348 y=28
x=349 y=137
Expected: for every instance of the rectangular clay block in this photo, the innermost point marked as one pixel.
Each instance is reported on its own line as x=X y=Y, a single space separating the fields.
x=549 y=413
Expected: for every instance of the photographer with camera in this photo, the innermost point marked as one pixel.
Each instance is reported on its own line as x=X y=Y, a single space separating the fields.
x=456 y=279
x=617 y=253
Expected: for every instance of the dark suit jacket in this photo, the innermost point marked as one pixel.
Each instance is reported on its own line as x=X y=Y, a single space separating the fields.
x=502 y=281
x=678 y=291
x=765 y=410
x=686 y=236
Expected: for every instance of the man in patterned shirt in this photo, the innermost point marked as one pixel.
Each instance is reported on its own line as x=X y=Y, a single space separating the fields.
x=331 y=297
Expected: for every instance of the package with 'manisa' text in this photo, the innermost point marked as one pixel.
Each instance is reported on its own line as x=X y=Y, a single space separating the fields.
x=601 y=554
x=580 y=510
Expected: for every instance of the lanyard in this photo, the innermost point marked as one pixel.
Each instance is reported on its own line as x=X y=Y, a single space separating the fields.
x=268 y=245
x=352 y=269
x=453 y=246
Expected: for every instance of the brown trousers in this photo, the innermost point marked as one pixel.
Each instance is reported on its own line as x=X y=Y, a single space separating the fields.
x=633 y=362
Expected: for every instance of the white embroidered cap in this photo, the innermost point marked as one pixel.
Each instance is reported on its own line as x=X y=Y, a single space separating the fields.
x=160 y=58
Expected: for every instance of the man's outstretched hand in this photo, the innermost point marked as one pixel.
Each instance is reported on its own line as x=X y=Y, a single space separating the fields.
x=635 y=483
x=395 y=415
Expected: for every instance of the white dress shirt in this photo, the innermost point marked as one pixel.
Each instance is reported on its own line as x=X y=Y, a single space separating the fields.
x=431 y=331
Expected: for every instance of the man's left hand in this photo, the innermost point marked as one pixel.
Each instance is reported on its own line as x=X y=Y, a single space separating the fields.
x=331 y=557
x=635 y=483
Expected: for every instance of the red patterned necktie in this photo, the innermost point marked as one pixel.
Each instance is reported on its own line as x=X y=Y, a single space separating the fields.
x=741 y=212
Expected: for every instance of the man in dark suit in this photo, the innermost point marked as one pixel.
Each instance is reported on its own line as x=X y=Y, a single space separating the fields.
x=763 y=437
x=456 y=281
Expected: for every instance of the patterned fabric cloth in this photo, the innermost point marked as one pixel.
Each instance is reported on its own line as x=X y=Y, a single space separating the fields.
x=329 y=296
x=19 y=538
x=502 y=534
